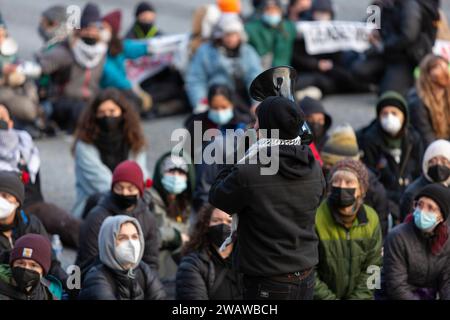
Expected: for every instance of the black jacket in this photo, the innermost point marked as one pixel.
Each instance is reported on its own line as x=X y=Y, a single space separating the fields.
x=9 y=292
x=408 y=29
x=106 y=207
x=25 y=224
x=202 y=276
x=102 y=283
x=409 y=265
x=421 y=119
x=276 y=212
x=395 y=177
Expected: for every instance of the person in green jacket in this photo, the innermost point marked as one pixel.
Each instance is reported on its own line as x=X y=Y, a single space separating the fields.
x=271 y=35
x=349 y=234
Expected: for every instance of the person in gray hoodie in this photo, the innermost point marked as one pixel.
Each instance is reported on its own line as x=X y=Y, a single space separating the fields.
x=120 y=274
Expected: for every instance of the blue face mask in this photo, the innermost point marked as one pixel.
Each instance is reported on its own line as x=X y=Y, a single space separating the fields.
x=174 y=184
x=220 y=117
x=271 y=20
x=425 y=221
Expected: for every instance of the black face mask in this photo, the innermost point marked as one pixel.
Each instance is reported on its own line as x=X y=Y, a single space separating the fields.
x=124 y=202
x=145 y=26
x=342 y=197
x=218 y=233
x=439 y=173
x=109 y=124
x=317 y=129
x=27 y=280
x=89 y=41
x=3 y=125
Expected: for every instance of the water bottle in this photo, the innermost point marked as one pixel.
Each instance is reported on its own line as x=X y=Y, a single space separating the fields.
x=57 y=246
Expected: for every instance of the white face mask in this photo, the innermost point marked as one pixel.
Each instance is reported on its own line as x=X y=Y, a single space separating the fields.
x=391 y=124
x=127 y=252
x=6 y=208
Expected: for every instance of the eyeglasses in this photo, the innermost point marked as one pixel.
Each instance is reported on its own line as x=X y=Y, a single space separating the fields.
x=426 y=207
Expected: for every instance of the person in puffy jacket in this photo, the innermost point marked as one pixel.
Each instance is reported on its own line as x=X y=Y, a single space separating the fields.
x=120 y=273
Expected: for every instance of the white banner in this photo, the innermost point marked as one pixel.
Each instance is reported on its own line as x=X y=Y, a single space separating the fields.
x=163 y=51
x=333 y=36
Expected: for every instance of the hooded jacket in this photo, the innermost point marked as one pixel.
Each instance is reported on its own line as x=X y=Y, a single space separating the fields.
x=409 y=266
x=372 y=140
x=88 y=249
x=108 y=280
x=276 y=212
x=437 y=148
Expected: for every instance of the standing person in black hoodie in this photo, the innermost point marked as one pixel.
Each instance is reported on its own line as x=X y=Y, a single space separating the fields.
x=125 y=198
x=277 y=247
x=407 y=34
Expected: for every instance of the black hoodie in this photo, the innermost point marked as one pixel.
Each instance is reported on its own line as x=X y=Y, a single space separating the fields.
x=276 y=212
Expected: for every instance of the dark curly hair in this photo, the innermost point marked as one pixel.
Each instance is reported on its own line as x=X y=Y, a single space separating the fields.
x=87 y=128
x=199 y=238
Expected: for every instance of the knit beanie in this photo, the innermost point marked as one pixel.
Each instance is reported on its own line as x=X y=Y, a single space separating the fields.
x=436 y=148
x=10 y=183
x=439 y=194
x=114 y=19
x=282 y=114
x=144 y=6
x=33 y=247
x=90 y=15
x=395 y=99
x=357 y=168
x=341 y=144
x=129 y=171
x=311 y=106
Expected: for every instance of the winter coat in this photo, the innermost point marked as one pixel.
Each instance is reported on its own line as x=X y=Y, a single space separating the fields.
x=276 y=212
x=345 y=254
x=135 y=32
x=93 y=176
x=88 y=250
x=74 y=80
x=102 y=283
x=48 y=289
x=421 y=119
x=114 y=72
x=277 y=41
x=210 y=66
x=25 y=224
x=409 y=265
x=203 y=275
x=395 y=177
x=408 y=29
x=376 y=198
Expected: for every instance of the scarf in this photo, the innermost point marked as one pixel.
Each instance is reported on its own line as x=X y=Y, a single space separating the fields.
x=113 y=148
x=251 y=153
x=88 y=56
x=17 y=150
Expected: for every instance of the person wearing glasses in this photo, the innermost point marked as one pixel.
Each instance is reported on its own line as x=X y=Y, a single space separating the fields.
x=417 y=252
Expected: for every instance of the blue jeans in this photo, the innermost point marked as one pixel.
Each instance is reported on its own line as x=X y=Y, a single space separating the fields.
x=258 y=288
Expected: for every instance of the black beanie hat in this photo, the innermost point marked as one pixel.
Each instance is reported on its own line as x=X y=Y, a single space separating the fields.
x=282 y=114
x=310 y=106
x=144 y=6
x=323 y=5
x=91 y=14
x=440 y=194
x=10 y=183
x=392 y=98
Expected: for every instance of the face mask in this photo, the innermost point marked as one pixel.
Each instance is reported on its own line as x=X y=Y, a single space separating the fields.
x=145 y=26
x=6 y=208
x=439 y=173
x=342 y=197
x=105 y=35
x=218 y=233
x=220 y=117
x=45 y=34
x=272 y=20
x=108 y=124
x=317 y=129
x=89 y=40
x=3 y=125
x=391 y=124
x=27 y=280
x=174 y=184
x=128 y=252
x=425 y=221
x=124 y=202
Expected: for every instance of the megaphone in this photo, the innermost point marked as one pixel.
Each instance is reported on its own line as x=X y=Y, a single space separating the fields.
x=279 y=81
